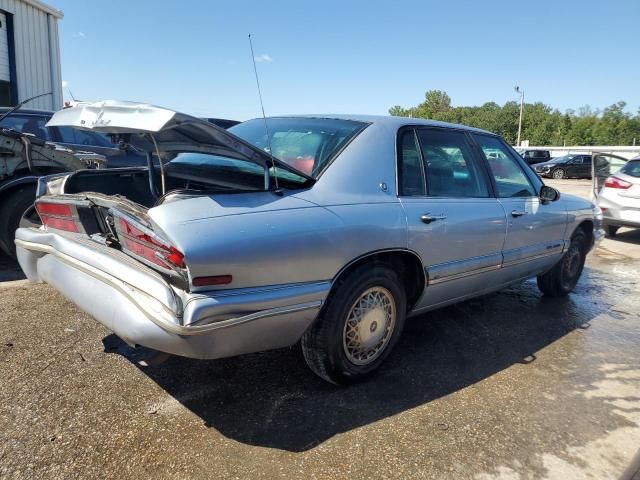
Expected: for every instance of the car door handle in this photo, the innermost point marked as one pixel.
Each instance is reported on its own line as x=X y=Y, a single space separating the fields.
x=518 y=213
x=427 y=218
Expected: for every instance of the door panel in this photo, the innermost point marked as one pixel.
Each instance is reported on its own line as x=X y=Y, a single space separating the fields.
x=535 y=230
x=466 y=241
x=539 y=232
x=453 y=223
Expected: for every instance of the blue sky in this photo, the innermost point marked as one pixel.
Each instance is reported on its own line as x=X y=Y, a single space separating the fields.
x=349 y=56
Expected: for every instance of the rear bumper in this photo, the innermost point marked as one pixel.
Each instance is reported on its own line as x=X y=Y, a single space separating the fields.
x=617 y=214
x=145 y=310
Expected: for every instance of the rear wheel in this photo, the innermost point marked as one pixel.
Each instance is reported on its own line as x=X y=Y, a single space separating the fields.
x=14 y=206
x=358 y=327
x=558 y=173
x=563 y=277
x=611 y=231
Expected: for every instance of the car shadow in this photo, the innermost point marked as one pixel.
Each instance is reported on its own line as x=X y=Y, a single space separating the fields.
x=628 y=236
x=9 y=269
x=271 y=399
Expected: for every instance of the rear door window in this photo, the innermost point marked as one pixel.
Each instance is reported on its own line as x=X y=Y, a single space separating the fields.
x=631 y=168
x=451 y=170
x=410 y=172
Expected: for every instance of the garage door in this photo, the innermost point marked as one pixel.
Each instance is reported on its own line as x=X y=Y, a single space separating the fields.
x=4 y=50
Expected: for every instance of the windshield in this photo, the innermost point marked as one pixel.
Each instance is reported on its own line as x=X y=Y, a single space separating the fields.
x=306 y=144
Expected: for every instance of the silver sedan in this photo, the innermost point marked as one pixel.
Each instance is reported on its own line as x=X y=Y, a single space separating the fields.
x=324 y=230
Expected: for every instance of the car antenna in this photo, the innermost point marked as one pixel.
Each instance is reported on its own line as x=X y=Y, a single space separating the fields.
x=71 y=93
x=18 y=106
x=264 y=117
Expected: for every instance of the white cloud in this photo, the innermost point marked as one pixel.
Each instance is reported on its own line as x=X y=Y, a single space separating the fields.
x=264 y=58
x=79 y=35
x=64 y=84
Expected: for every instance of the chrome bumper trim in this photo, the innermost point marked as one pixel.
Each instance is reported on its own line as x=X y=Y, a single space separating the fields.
x=133 y=294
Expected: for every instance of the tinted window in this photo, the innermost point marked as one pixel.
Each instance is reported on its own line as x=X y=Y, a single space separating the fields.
x=410 y=173
x=223 y=171
x=83 y=137
x=307 y=144
x=510 y=179
x=33 y=124
x=632 y=168
x=450 y=168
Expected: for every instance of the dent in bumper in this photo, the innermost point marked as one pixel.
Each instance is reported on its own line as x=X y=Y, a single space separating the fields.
x=210 y=326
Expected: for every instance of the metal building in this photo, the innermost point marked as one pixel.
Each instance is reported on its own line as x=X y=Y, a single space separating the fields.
x=29 y=54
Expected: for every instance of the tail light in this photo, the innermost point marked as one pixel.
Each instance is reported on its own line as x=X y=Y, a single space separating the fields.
x=142 y=242
x=615 y=182
x=59 y=216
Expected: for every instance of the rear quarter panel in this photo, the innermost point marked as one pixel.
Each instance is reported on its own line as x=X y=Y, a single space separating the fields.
x=274 y=240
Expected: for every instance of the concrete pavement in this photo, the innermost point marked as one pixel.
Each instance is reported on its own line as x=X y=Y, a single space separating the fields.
x=512 y=385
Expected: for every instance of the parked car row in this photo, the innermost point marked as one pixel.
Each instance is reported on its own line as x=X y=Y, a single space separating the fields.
x=566 y=166
x=324 y=230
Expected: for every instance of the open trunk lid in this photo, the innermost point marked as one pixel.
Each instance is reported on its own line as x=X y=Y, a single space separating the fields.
x=153 y=129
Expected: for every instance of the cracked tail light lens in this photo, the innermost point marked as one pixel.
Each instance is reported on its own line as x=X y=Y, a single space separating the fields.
x=58 y=216
x=615 y=182
x=134 y=240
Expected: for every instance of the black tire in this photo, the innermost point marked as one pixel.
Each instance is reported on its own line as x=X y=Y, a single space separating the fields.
x=324 y=344
x=558 y=174
x=611 y=231
x=563 y=277
x=14 y=206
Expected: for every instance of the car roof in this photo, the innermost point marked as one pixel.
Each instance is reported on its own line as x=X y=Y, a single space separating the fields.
x=388 y=120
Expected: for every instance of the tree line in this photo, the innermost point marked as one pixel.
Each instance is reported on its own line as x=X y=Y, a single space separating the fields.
x=541 y=124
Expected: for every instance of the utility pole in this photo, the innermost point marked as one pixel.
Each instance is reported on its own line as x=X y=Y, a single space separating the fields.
x=521 y=92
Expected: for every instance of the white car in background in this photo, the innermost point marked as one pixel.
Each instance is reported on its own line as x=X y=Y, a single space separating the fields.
x=619 y=198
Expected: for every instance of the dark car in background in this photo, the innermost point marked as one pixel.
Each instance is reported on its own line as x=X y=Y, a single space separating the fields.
x=31 y=149
x=536 y=156
x=567 y=166
x=34 y=122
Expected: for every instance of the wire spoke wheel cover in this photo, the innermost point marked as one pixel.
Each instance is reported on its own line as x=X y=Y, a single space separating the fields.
x=369 y=326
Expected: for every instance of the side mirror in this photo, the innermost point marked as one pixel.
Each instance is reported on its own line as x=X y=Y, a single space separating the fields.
x=548 y=194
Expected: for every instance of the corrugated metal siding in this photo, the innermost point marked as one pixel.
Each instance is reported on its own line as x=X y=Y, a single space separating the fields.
x=37 y=54
x=4 y=50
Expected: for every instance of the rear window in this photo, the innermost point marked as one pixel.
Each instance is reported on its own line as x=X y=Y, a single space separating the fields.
x=631 y=168
x=226 y=172
x=84 y=137
x=306 y=144
x=33 y=124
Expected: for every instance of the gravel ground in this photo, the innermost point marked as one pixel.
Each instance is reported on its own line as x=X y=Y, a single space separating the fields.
x=511 y=385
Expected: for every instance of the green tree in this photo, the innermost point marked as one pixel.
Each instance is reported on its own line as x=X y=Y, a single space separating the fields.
x=542 y=125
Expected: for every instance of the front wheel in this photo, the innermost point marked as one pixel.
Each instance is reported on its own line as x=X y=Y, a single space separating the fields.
x=358 y=327
x=563 y=277
x=558 y=173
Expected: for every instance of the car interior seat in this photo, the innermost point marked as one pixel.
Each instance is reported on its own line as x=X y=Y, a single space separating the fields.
x=32 y=126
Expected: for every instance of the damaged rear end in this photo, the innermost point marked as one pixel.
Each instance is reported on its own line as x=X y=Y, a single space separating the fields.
x=100 y=246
